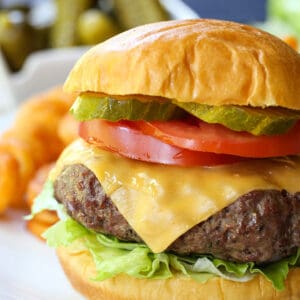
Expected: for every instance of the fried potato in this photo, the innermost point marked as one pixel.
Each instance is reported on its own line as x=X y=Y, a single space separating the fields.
x=29 y=155
x=21 y=152
x=44 y=219
x=37 y=227
x=36 y=183
x=9 y=179
x=68 y=129
x=16 y=176
x=32 y=141
x=39 y=118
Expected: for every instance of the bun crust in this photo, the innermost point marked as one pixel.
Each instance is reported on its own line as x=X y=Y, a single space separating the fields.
x=80 y=269
x=205 y=61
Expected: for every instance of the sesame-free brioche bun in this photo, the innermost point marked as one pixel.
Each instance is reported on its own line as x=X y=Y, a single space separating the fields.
x=205 y=61
x=80 y=269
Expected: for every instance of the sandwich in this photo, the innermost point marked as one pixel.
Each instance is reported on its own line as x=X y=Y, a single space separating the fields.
x=185 y=180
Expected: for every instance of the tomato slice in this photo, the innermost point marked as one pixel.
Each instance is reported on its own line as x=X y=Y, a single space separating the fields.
x=201 y=136
x=127 y=139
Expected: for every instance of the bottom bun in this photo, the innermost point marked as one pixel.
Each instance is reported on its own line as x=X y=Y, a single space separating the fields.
x=80 y=270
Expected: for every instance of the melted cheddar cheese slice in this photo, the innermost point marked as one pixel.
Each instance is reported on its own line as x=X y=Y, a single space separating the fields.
x=162 y=202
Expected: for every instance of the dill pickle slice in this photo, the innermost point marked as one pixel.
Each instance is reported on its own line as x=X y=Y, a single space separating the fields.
x=138 y=12
x=64 y=30
x=88 y=107
x=258 y=121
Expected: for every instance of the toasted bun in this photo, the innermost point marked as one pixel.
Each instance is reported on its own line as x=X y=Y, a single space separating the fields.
x=204 y=61
x=80 y=269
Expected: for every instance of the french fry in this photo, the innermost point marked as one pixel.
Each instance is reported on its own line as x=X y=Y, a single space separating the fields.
x=9 y=175
x=68 y=129
x=37 y=228
x=44 y=219
x=32 y=141
x=23 y=170
x=36 y=183
x=21 y=151
x=39 y=119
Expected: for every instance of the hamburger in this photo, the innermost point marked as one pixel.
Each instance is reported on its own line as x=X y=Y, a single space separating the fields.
x=184 y=183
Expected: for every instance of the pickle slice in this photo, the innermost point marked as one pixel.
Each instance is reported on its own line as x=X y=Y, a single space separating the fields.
x=88 y=107
x=258 y=121
x=134 y=13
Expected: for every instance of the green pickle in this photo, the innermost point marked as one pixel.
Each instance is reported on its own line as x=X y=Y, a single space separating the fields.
x=94 y=27
x=138 y=12
x=88 y=107
x=64 y=30
x=258 y=121
x=17 y=38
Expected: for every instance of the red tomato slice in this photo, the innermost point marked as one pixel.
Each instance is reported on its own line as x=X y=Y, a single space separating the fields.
x=126 y=138
x=216 y=138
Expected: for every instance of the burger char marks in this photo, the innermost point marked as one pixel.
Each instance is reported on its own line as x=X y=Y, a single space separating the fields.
x=261 y=226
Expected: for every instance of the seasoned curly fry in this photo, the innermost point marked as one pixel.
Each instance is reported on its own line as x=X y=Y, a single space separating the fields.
x=39 y=118
x=37 y=228
x=9 y=178
x=44 y=219
x=68 y=129
x=21 y=152
x=32 y=141
x=36 y=183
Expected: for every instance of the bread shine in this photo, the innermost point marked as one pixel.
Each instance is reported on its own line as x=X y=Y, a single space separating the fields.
x=204 y=61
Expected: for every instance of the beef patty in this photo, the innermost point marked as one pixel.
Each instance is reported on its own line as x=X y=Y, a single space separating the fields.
x=261 y=226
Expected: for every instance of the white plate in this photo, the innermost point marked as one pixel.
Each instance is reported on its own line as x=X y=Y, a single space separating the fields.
x=29 y=269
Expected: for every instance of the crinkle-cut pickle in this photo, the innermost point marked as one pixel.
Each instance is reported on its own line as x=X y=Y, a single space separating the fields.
x=88 y=107
x=257 y=121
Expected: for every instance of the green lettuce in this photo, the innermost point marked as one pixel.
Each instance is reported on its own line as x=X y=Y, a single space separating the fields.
x=46 y=201
x=112 y=256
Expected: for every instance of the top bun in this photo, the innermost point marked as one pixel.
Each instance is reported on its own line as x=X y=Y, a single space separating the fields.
x=205 y=61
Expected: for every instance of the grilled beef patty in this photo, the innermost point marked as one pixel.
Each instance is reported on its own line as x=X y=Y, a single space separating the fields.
x=261 y=226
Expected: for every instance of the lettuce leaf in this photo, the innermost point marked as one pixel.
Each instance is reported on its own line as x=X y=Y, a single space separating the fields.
x=112 y=256
x=46 y=201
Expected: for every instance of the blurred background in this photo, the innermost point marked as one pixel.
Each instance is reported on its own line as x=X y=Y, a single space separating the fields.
x=30 y=25
x=41 y=39
x=244 y=11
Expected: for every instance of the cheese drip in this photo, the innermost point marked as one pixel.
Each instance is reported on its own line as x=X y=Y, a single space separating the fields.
x=163 y=202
